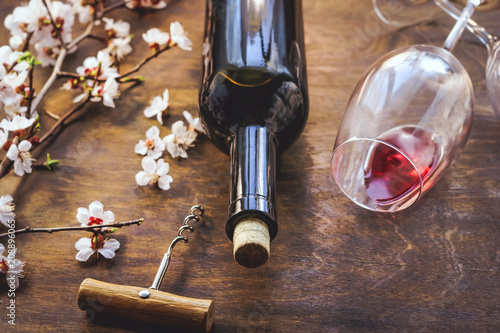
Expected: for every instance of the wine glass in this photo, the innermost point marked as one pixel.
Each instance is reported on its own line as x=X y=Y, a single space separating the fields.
x=404 y=13
x=408 y=118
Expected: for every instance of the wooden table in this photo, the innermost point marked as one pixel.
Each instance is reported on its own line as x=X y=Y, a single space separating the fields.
x=334 y=267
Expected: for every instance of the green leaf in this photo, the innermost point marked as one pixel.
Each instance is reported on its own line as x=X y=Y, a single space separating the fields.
x=51 y=164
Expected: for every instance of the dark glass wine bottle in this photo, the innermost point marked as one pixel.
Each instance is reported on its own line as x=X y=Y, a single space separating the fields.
x=253 y=104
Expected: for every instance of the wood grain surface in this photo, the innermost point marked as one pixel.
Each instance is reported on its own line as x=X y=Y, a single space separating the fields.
x=334 y=267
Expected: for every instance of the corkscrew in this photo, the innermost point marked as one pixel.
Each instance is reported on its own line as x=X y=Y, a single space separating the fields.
x=150 y=304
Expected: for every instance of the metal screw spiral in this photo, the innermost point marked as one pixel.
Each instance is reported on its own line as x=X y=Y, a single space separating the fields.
x=195 y=214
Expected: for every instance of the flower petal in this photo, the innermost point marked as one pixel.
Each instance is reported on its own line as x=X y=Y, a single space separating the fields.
x=162 y=168
x=111 y=244
x=83 y=243
x=178 y=128
x=12 y=153
x=83 y=215
x=25 y=145
x=141 y=148
x=169 y=139
x=142 y=178
x=148 y=164
x=173 y=149
x=155 y=154
x=18 y=168
x=84 y=255
x=95 y=209
x=164 y=182
x=108 y=217
x=107 y=253
x=159 y=145
x=153 y=133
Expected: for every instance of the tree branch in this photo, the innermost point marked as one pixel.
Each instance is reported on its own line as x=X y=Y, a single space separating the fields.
x=76 y=228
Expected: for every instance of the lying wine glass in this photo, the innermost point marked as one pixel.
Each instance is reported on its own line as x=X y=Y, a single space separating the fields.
x=404 y=13
x=408 y=118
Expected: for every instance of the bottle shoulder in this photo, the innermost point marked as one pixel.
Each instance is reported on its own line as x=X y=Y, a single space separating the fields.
x=243 y=97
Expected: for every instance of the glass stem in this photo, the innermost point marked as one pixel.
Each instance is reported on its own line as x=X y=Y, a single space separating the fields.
x=477 y=30
x=459 y=27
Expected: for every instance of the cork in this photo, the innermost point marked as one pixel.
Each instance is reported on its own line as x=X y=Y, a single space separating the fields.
x=251 y=243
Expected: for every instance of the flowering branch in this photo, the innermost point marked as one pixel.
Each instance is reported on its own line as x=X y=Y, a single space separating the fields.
x=146 y=60
x=76 y=228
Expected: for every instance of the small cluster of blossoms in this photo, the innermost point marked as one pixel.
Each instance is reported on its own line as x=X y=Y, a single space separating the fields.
x=153 y=146
x=86 y=246
x=155 y=169
x=99 y=74
x=44 y=29
x=19 y=124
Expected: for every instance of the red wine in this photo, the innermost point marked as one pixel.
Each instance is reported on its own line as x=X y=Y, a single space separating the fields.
x=391 y=169
x=253 y=100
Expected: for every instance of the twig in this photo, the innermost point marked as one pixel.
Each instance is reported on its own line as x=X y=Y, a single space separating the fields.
x=121 y=79
x=26 y=43
x=52 y=115
x=32 y=91
x=84 y=35
x=145 y=61
x=91 y=36
x=86 y=228
x=59 y=125
x=117 y=5
x=54 y=25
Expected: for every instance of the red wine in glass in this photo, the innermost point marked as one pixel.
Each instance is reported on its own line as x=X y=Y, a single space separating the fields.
x=398 y=162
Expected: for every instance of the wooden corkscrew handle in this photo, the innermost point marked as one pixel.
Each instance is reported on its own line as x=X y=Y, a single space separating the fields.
x=159 y=307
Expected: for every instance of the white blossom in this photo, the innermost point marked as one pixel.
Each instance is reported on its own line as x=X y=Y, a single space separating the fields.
x=24 y=19
x=16 y=41
x=95 y=214
x=155 y=38
x=47 y=52
x=91 y=64
x=155 y=172
x=87 y=246
x=179 y=36
x=6 y=209
x=84 y=11
x=106 y=92
x=8 y=57
x=120 y=47
x=12 y=105
x=158 y=107
x=12 y=268
x=153 y=146
x=21 y=156
x=15 y=79
x=17 y=123
x=194 y=123
x=118 y=29
x=180 y=140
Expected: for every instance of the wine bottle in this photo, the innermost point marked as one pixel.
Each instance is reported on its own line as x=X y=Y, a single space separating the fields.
x=253 y=104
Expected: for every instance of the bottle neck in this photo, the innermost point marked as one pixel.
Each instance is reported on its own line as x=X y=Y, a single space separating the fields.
x=253 y=178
